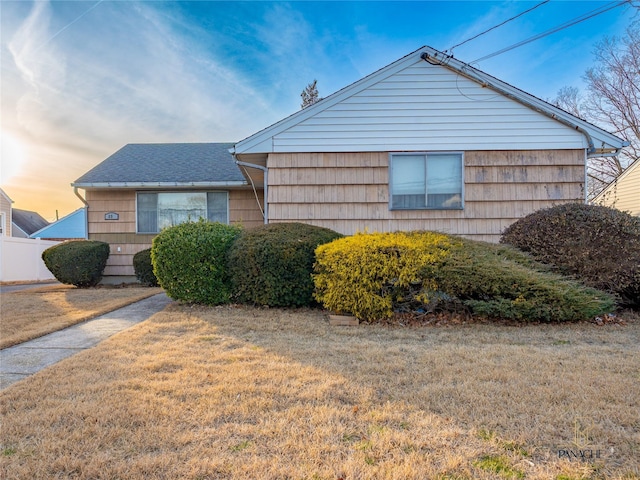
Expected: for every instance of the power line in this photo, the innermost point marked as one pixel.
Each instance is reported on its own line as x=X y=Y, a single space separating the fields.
x=496 y=26
x=570 y=23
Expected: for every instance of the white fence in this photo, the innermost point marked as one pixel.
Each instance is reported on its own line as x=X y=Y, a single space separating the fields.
x=21 y=259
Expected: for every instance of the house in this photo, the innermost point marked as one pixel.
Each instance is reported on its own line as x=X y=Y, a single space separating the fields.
x=624 y=192
x=427 y=142
x=69 y=227
x=5 y=214
x=25 y=222
x=143 y=188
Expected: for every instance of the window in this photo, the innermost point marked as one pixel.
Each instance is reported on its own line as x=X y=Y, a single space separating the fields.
x=160 y=210
x=426 y=180
x=2 y=224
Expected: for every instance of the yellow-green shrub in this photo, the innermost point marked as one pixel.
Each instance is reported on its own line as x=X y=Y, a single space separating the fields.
x=372 y=276
x=367 y=273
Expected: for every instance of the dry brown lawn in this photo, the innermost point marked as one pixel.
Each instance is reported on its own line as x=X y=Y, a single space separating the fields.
x=29 y=314
x=244 y=393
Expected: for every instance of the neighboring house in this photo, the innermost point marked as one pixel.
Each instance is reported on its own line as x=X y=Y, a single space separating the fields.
x=5 y=214
x=69 y=227
x=25 y=222
x=427 y=142
x=143 y=188
x=624 y=192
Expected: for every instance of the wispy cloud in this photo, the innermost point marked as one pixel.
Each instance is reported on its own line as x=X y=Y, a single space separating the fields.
x=80 y=79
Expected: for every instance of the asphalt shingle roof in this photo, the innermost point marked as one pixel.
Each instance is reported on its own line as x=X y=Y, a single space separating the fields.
x=166 y=162
x=27 y=220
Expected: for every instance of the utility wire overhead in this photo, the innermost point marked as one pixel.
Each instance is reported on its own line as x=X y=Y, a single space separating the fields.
x=582 y=18
x=496 y=26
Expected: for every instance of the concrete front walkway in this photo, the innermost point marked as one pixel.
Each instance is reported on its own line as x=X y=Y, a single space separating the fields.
x=27 y=358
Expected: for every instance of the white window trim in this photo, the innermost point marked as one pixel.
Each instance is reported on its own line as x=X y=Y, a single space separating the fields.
x=179 y=191
x=426 y=154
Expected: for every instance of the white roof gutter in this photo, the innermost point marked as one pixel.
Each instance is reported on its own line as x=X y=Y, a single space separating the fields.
x=265 y=210
x=86 y=211
x=530 y=101
x=230 y=183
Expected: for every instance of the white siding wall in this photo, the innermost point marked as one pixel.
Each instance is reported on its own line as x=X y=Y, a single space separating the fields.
x=426 y=107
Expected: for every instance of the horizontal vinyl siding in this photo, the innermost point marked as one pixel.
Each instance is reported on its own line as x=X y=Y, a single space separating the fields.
x=425 y=107
x=349 y=192
x=5 y=207
x=624 y=194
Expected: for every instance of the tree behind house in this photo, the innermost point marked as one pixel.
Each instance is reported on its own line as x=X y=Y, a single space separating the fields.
x=310 y=95
x=612 y=101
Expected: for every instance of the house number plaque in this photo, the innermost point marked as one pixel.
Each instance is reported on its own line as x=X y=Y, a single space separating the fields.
x=111 y=216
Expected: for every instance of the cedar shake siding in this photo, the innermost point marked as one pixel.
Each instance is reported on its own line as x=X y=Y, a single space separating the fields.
x=121 y=234
x=349 y=192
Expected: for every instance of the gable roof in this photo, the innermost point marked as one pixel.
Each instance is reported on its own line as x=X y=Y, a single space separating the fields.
x=4 y=194
x=165 y=165
x=597 y=140
x=27 y=221
x=632 y=191
x=70 y=226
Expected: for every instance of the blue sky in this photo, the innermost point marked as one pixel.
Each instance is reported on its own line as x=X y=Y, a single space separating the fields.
x=80 y=79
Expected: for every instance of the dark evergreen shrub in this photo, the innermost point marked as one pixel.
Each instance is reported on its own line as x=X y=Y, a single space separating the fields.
x=144 y=268
x=498 y=281
x=77 y=262
x=189 y=261
x=598 y=245
x=272 y=264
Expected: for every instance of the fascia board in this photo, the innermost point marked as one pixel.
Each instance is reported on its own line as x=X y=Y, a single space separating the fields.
x=527 y=99
x=6 y=196
x=262 y=139
x=627 y=171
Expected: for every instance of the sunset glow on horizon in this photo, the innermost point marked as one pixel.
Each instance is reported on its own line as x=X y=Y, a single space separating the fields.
x=82 y=79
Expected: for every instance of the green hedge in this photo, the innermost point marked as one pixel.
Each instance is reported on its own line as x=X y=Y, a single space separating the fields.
x=189 y=261
x=77 y=262
x=497 y=281
x=272 y=264
x=373 y=275
x=598 y=245
x=143 y=268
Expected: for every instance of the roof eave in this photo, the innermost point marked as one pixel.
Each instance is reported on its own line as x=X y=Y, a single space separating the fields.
x=600 y=141
x=228 y=183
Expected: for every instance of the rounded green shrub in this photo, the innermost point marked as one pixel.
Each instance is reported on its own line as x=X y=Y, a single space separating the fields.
x=598 y=245
x=143 y=268
x=189 y=261
x=77 y=262
x=373 y=275
x=272 y=264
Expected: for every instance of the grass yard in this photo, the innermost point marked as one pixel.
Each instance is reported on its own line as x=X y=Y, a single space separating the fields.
x=29 y=314
x=244 y=393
